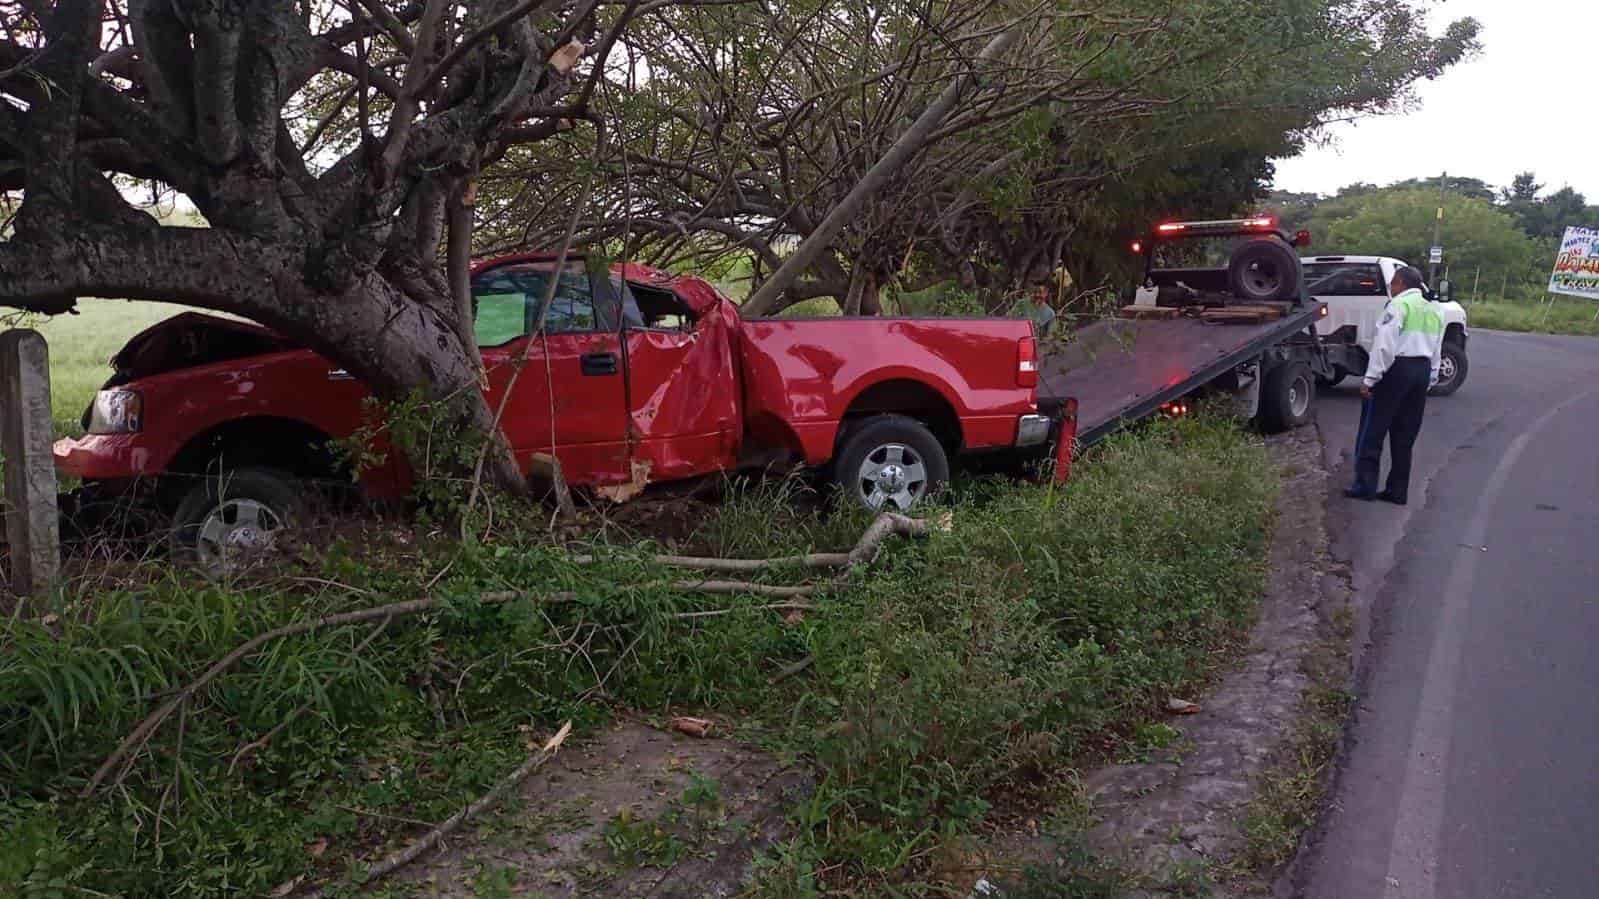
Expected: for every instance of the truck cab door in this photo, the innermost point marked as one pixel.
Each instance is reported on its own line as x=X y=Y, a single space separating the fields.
x=569 y=398
x=683 y=389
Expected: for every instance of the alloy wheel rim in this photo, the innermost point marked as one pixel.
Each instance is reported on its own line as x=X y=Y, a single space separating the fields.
x=892 y=474
x=236 y=531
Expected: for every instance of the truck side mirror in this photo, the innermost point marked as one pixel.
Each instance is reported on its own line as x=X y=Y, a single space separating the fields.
x=1446 y=291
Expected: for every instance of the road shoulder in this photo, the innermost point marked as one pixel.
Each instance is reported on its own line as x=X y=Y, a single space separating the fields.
x=1223 y=806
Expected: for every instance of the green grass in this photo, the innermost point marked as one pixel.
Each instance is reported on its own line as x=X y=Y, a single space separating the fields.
x=81 y=347
x=1567 y=315
x=958 y=676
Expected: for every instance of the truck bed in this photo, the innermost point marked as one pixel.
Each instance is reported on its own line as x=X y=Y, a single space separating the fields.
x=1122 y=370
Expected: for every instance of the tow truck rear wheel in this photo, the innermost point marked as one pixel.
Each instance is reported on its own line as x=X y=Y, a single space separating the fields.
x=1287 y=397
x=228 y=521
x=889 y=463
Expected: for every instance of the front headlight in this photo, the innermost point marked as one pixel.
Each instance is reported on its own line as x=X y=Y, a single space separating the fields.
x=116 y=412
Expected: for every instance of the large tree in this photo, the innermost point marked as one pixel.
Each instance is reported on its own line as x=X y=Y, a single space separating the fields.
x=1101 y=116
x=332 y=147
x=740 y=128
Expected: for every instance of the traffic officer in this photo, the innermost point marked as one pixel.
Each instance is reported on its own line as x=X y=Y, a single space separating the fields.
x=1404 y=365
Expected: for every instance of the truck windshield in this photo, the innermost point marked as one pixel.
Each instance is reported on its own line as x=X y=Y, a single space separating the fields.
x=1344 y=279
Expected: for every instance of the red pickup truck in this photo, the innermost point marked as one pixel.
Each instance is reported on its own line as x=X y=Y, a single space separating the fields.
x=638 y=376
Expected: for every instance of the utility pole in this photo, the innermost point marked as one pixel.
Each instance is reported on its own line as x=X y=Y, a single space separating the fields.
x=1437 y=231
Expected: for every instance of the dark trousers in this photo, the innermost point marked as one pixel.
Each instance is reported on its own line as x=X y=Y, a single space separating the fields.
x=1395 y=410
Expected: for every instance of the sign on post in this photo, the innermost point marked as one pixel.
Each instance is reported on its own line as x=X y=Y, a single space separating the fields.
x=32 y=519
x=1576 y=271
x=1435 y=255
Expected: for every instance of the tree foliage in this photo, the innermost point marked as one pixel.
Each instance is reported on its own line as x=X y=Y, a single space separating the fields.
x=1546 y=217
x=1502 y=237
x=1103 y=116
x=1399 y=222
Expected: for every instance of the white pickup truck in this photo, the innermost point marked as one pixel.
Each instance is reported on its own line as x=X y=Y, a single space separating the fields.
x=1355 y=289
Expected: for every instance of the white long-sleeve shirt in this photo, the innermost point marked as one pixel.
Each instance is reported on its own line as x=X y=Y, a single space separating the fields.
x=1410 y=326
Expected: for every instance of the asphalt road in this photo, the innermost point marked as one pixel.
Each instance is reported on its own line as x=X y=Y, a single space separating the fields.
x=1473 y=766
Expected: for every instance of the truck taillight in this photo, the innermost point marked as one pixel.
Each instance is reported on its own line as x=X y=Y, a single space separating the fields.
x=1026 y=363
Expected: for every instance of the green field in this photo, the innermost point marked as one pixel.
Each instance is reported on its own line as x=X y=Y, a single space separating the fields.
x=1566 y=315
x=81 y=347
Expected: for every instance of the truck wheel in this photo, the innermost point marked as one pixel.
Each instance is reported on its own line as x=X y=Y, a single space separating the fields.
x=227 y=521
x=890 y=462
x=1287 y=398
x=1263 y=270
x=1452 y=368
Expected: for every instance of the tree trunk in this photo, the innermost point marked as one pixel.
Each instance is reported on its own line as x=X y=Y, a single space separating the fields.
x=857 y=285
x=394 y=343
x=871 y=294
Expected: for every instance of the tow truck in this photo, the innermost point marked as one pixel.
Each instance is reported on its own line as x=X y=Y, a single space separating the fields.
x=1243 y=324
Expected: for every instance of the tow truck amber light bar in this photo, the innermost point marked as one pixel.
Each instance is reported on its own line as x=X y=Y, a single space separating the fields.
x=1259 y=223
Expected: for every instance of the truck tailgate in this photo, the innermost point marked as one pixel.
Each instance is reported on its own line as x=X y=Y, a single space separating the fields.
x=1121 y=370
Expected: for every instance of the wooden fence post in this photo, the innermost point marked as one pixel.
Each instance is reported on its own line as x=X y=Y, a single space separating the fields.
x=33 y=526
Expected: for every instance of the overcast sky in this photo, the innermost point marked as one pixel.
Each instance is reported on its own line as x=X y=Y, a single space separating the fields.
x=1525 y=103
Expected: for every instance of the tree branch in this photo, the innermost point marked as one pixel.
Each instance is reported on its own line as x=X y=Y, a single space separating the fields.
x=464 y=46
x=907 y=146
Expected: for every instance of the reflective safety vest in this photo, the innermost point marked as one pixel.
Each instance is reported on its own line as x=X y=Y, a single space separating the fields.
x=1410 y=326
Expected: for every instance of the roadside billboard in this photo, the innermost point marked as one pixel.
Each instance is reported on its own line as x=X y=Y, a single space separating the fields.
x=1577 y=265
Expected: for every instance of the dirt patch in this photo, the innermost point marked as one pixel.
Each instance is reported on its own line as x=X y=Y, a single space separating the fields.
x=1176 y=818
x=635 y=811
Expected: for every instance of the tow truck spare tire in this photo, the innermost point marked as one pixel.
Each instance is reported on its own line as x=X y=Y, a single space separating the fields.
x=1263 y=270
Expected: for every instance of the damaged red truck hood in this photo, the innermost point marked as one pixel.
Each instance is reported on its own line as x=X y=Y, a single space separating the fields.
x=190 y=339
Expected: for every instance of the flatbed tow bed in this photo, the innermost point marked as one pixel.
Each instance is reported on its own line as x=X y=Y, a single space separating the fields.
x=1172 y=344
x=1122 y=370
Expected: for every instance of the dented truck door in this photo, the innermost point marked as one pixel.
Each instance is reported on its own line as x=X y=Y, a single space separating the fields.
x=683 y=413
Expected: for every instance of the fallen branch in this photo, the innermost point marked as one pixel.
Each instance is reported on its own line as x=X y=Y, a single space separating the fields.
x=739 y=587
x=148 y=726
x=433 y=837
x=773 y=607
x=865 y=551
x=888 y=525
x=790 y=670
x=454 y=822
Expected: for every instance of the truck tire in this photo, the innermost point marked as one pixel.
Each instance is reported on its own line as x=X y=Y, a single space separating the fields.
x=1263 y=270
x=1452 y=368
x=227 y=521
x=890 y=463
x=1287 y=398
x=1329 y=382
